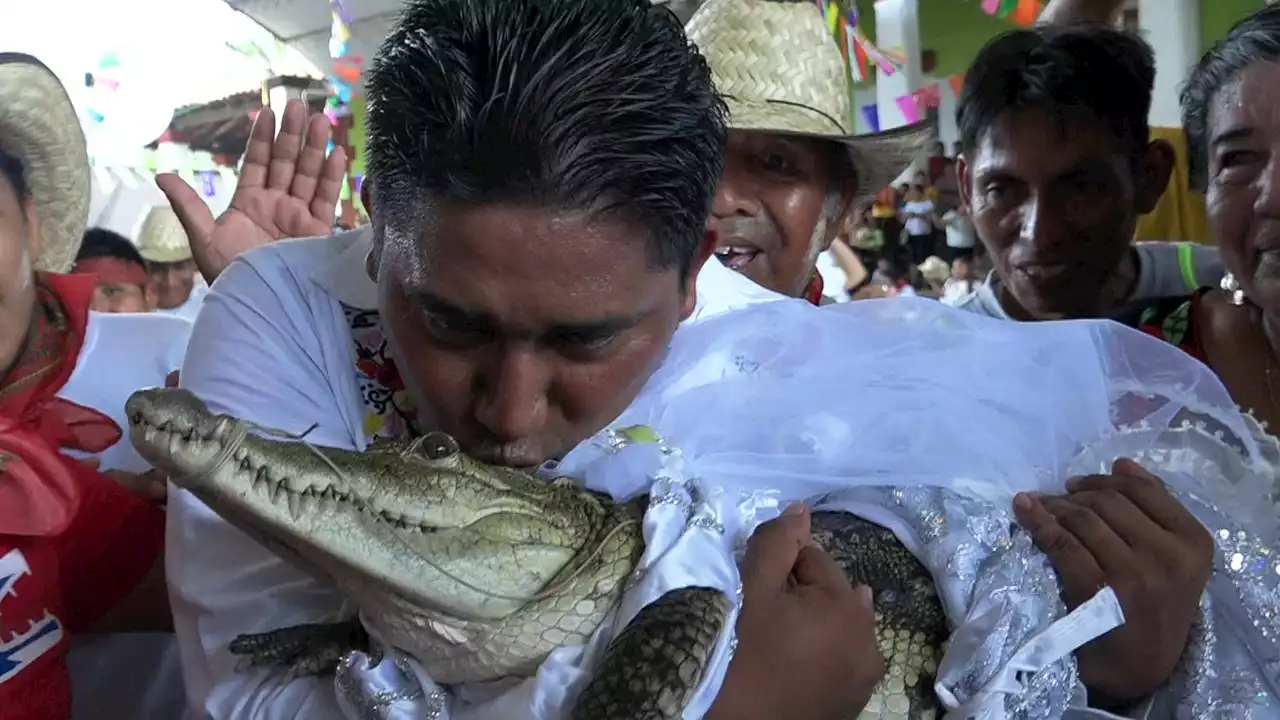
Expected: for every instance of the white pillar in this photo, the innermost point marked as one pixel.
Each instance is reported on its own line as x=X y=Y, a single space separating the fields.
x=897 y=29
x=1173 y=29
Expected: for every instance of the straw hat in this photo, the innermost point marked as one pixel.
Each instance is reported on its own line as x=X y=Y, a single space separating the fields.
x=780 y=71
x=162 y=239
x=935 y=269
x=40 y=127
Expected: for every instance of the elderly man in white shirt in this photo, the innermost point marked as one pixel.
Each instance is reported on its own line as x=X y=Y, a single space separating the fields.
x=174 y=281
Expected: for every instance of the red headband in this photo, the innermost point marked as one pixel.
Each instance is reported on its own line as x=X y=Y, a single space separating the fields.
x=113 y=271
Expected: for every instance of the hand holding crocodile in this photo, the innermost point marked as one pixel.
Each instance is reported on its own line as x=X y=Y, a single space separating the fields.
x=1125 y=530
x=806 y=637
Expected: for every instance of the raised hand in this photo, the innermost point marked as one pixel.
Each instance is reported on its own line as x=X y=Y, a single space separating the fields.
x=1125 y=530
x=289 y=187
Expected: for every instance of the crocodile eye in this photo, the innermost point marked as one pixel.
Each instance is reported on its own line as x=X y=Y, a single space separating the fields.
x=438 y=446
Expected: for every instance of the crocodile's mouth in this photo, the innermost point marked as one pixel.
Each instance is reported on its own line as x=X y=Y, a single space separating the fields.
x=227 y=454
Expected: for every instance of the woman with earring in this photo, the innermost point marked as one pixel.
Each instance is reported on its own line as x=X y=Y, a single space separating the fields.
x=1233 y=131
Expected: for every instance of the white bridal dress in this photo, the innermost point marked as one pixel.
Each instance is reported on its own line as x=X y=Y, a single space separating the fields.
x=926 y=420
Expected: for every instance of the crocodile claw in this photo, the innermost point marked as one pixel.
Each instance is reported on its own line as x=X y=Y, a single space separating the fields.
x=306 y=650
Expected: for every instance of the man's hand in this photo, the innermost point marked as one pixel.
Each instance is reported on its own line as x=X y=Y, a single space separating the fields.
x=288 y=187
x=150 y=485
x=1125 y=530
x=806 y=638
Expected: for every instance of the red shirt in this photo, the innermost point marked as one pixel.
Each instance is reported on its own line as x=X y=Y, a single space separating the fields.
x=52 y=588
x=73 y=542
x=937 y=165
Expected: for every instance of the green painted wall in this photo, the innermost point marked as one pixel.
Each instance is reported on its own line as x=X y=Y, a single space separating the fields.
x=1217 y=17
x=954 y=31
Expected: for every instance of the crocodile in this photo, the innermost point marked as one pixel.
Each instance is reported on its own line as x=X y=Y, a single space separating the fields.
x=479 y=571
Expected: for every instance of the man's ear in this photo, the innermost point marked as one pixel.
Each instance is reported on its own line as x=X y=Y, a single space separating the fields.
x=152 y=296
x=366 y=196
x=965 y=184
x=705 y=251
x=374 y=259
x=1153 y=175
x=844 y=213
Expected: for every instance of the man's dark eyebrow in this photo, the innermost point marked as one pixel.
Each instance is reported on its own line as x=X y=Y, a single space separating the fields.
x=603 y=327
x=439 y=306
x=1232 y=134
x=986 y=175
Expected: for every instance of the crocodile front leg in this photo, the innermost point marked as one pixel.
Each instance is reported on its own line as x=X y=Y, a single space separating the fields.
x=305 y=649
x=652 y=668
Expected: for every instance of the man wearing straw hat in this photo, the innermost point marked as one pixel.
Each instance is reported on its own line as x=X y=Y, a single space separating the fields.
x=79 y=551
x=794 y=172
x=170 y=266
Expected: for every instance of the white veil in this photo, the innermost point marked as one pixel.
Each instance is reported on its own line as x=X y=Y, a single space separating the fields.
x=911 y=392
x=928 y=420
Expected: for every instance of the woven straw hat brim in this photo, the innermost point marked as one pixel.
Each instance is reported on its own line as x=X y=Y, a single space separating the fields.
x=39 y=126
x=878 y=158
x=162 y=239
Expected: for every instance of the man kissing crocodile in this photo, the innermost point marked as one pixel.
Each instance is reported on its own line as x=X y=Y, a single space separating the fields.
x=541 y=173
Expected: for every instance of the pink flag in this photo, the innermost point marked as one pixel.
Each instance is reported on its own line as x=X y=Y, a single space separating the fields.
x=929 y=96
x=910 y=111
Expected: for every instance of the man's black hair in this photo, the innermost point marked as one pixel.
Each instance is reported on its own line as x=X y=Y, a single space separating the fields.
x=1252 y=40
x=595 y=106
x=1081 y=72
x=103 y=243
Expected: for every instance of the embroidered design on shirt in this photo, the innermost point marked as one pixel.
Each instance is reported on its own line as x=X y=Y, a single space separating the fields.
x=389 y=411
x=20 y=647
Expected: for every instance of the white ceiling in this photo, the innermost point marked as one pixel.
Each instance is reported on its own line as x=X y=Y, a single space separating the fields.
x=306 y=24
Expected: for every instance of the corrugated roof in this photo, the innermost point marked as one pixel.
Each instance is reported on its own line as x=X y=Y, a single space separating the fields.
x=241 y=68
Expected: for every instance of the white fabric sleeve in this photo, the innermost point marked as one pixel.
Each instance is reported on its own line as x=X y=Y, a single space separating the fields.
x=249 y=357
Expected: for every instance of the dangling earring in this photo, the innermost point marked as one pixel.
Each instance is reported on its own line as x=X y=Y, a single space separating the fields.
x=1231 y=287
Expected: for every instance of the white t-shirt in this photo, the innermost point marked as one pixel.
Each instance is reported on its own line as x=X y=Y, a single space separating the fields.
x=918 y=225
x=833 y=278
x=191 y=308
x=960 y=233
x=1165 y=269
x=124 y=353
